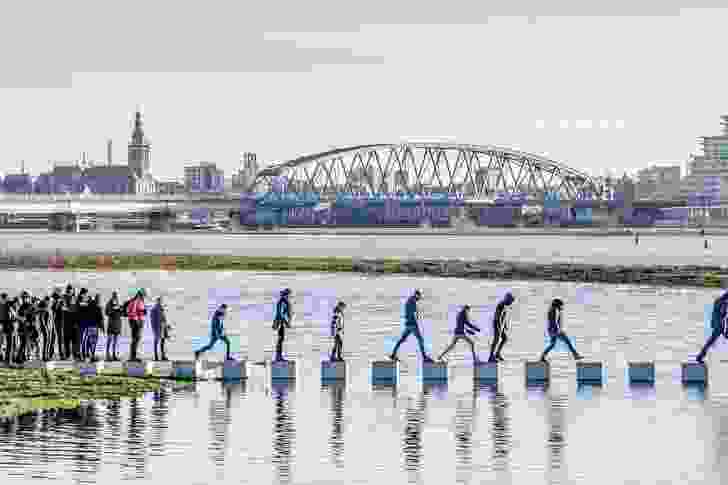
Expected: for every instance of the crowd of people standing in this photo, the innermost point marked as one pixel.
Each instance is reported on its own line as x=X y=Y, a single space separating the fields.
x=66 y=326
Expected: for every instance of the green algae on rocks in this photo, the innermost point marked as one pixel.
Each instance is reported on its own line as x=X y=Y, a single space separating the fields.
x=26 y=390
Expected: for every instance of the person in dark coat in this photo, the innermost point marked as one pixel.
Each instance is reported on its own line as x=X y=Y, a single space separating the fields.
x=86 y=321
x=555 y=330
x=57 y=316
x=462 y=325
x=411 y=327
x=718 y=324
x=6 y=322
x=501 y=325
x=113 y=328
x=69 y=323
x=158 y=319
x=282 y=321
x=337 y=332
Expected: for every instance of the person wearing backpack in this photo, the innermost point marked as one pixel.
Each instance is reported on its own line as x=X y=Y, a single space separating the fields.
x=135 y=312
x=718 y=324
x=113 y=327
x=282 y=320
x=217 y=332
x=555 y=330
x=337 y=331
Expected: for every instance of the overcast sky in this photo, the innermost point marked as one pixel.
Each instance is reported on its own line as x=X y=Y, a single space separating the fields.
x=289 y=80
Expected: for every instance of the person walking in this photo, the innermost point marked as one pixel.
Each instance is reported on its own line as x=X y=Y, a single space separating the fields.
x=158 y=318
x=337 y=332
x=217 y=332
x=462 y=324
x=282 y=320
x=501 y=326
x=135 y=312
x=113 y=327
x=411 y=317
x=6 y=325
x=718 y=324
x=556 y=331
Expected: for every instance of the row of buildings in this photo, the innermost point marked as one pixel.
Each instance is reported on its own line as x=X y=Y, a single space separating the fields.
x=134 y=177
x=707 y=173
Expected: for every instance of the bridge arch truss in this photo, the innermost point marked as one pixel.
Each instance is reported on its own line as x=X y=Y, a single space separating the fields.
x=475 y=170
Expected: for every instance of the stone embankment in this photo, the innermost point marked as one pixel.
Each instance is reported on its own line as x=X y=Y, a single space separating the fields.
x=711 y=276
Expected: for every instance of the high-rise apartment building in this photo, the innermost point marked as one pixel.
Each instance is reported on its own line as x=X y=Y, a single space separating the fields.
x=659 y=183
x=709 y=172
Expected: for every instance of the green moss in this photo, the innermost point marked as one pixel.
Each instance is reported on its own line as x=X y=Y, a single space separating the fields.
x=25 y=390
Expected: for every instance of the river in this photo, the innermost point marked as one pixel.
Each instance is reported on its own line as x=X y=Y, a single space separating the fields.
x=304 y=433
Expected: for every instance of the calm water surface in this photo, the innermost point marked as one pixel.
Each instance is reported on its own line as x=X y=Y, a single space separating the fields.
x=306 y=433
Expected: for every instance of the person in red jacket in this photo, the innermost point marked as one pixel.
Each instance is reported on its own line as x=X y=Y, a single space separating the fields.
x=135 y=312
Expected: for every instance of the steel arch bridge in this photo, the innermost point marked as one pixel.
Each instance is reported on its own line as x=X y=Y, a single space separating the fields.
x=477 y=171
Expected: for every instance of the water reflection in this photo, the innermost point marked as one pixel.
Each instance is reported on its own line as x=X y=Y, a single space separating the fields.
x=135 y=465
x=284 y=430
x=87 y=440
x=556 y=438
x=159 y=420
x=412 y=439
x=219 y=426
x=336 y=438
x=465 y=411
x=501 y=432
x=696 y=391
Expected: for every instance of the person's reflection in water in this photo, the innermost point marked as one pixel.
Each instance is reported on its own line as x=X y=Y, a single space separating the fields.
x=136 y=451
x=336 y=440
x=465 y=412
x=113 y=423
x=283 y=432
x=87 y=439
x=412 y=441
x=159 y=417
x=220 y=420
x=556 y=438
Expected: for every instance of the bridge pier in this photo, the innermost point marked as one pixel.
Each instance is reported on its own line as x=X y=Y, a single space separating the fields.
x=63 y=222
x=235 y=221
x=161 y=221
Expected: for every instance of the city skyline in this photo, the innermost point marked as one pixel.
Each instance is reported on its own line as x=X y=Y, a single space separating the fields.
x=538 y=83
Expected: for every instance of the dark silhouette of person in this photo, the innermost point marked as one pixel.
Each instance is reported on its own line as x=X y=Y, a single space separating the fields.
x=136 y=311
x=69 y=329
x=113 y=326
x=57 y=313
x=555 y=330
x=411 y=317
x=282 y=321
x=337 y=332
x=462 y=325
x=284 y=432
x=718 y=324
x=217 y=332
x=7 y=326
x=501 y=326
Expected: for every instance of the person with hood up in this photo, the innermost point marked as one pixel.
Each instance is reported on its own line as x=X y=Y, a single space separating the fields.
x=462 y=325
x=718 y=323
x=501 y=326
x=217 y=332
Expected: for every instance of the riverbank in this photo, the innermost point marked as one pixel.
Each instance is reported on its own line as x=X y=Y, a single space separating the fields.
x=26 y=390
x=660 y=275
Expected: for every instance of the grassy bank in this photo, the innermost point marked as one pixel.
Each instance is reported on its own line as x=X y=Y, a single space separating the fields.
x=202 y=263
x=26 y=390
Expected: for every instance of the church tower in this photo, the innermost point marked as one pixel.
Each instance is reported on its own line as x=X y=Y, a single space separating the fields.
x=139 y=149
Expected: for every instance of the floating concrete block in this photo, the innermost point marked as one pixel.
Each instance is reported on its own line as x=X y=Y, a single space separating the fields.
x=61 y=365
x=385 y=372
x=433 y=371
x=138 y=369
x=333 y=371
x=89 y=369
x=283 y=370
x=486 y=371
x=186 y=369
x=235 y=370
x=694 y=372
x=589 y=371
x=113 y=367
x=641 y=372
x=35 y=364
x=538 y=371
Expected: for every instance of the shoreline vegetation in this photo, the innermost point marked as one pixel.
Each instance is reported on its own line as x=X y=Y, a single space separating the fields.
x=659 y=275
x=23 y=391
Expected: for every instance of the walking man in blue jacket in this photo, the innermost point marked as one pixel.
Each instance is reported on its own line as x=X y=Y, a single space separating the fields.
x=282 y=321
x=217 y=332
x=461 y=326
x=718 y=323
x=411 y=327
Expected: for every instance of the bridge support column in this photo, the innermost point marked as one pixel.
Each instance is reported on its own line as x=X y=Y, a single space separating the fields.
x=235 y=221
x=162 y=221
x=63 y=222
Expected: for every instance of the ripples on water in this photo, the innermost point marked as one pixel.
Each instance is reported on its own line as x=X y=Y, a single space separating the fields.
x=254 y=432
